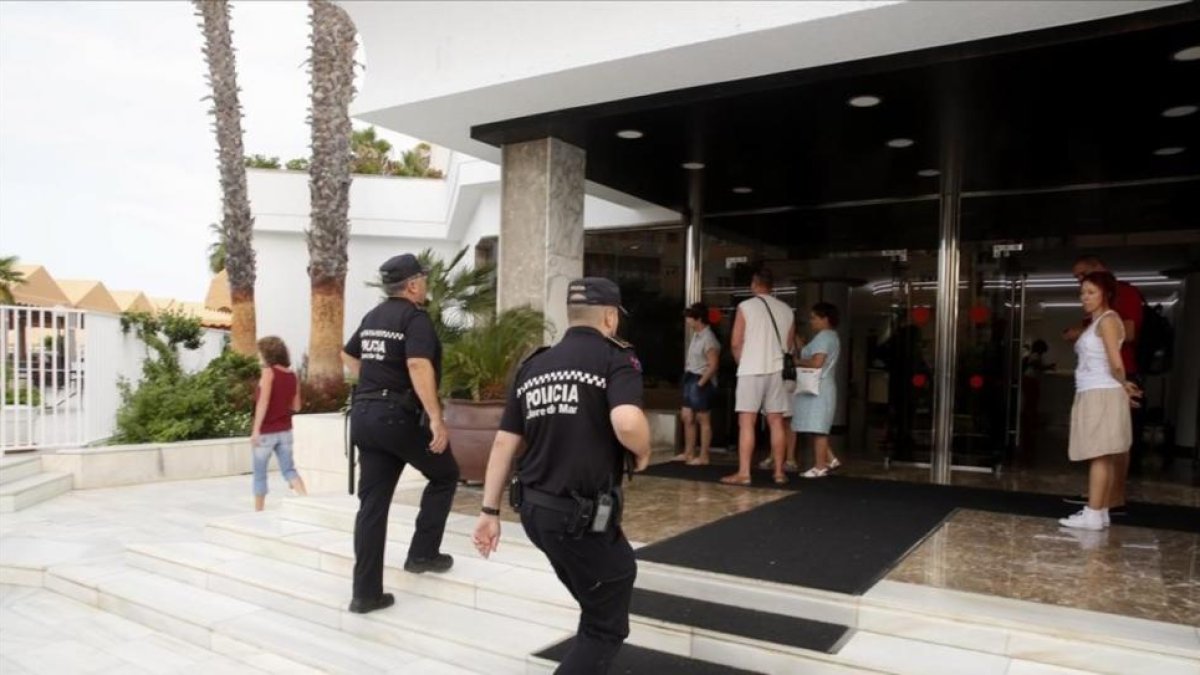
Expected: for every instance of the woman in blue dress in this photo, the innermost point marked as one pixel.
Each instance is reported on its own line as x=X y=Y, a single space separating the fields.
x=813 y=414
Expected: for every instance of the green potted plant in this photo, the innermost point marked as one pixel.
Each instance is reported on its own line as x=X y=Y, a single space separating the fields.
x=477 y=368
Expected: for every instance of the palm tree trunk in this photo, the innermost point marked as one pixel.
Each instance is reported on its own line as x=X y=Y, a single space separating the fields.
x=237 y=224
x=332 y=81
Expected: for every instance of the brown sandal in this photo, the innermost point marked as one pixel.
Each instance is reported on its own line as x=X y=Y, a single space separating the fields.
x=781 y=480
x=734 y=479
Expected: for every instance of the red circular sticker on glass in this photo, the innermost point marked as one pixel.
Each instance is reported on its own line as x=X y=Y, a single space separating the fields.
x=921 y=315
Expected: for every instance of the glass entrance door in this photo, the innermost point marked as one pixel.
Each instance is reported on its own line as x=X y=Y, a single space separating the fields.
x=989 y=388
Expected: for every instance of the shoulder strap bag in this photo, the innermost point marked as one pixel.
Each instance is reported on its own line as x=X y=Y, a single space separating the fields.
x=789 y=364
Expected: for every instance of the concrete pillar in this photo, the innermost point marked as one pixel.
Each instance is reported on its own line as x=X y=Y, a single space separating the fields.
x=541 y=227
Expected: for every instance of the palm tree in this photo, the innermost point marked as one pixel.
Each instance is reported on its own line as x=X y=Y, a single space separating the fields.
x=216 y=250
x=459 y=298
x=372 y=155
x=332 y=82
x=9 y=277
x=237 y=224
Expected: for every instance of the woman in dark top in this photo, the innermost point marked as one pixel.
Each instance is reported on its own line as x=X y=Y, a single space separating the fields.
x=278 y=396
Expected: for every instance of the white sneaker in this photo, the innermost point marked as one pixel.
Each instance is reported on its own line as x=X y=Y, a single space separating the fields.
x=834 y=464
x=1107 y=520
x=1087 y=519
x=815 y=473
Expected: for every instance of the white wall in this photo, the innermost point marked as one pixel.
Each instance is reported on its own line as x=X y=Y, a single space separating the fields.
x=379 y=205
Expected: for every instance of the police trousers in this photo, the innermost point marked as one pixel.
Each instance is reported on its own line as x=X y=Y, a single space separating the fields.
x=389 y=438
x=599 y=571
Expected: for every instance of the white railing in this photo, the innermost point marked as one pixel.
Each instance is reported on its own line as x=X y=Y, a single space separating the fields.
x=60 y=369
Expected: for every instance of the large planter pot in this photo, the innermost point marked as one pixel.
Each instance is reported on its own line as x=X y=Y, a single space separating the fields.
x=472 y=427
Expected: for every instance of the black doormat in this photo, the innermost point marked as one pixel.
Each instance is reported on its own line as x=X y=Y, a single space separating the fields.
x=633 y=660
x=844 y=534
x=716 y=617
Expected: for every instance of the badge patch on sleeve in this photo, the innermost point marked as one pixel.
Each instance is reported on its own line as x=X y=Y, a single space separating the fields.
x=637 y=365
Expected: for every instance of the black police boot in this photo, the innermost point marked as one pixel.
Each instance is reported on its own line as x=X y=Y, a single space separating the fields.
x=438 y=563
x=364 y=605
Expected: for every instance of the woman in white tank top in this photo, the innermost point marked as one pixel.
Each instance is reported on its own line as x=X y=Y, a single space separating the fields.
x=1100 y=420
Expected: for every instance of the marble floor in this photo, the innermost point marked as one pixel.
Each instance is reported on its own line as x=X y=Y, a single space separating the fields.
x=1043 y=481
x=1130 y=571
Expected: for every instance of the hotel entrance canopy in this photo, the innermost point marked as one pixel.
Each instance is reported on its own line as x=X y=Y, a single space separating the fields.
x=1086 y=128
x=470 y=76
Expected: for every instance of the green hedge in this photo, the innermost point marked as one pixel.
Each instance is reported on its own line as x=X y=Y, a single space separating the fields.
x=169 y=405
x=22 y=396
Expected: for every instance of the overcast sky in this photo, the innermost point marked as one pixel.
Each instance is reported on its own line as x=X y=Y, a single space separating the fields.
x=107 y=158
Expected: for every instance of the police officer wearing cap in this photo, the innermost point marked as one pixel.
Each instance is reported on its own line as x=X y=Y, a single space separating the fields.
x=575 y=411
x=396 y=420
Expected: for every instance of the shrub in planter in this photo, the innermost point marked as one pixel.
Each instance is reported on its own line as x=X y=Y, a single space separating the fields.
x=170 y=405
x=477 y=368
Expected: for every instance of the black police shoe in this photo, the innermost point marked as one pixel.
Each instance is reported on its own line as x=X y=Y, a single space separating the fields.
x=438 y=563
x=364 y=605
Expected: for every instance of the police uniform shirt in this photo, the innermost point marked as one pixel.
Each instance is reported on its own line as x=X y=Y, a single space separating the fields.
x=560 y=403
x=393 y=332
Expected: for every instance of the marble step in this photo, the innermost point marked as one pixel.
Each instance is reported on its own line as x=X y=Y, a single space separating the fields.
x=25 y=492
x=533 y=596
x=493 y=642
x=231 y=626
x=1023 y=632
x=18 y=467
x=337 y=512
x=52 y=633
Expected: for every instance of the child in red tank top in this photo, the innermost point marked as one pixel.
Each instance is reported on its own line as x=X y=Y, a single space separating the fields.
x=276 y=399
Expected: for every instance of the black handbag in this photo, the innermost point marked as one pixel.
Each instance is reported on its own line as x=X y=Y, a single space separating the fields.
x=789 y=363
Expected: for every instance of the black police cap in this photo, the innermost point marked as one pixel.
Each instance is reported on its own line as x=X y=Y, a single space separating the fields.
x=400 y=268
x=595 y=291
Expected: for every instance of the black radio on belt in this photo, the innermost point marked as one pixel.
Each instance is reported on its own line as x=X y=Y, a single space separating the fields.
x=516 y=493
x=605 y=507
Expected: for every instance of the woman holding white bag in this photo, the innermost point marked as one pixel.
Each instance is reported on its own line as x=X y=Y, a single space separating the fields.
x=815 y=401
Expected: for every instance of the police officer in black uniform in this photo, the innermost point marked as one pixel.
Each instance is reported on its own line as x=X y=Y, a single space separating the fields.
x=576 y=410
x=396 y=420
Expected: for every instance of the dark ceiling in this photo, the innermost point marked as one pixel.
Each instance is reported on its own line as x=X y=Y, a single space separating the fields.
x=1076 y=105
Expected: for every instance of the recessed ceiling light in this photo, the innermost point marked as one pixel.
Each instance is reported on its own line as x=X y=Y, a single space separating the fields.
x=693 y=166
x=900 y=143
x=1180 y=111
x=928 y=173
x=743 y=190
x=865 y=101
x=1189 y=54
x=1167 y=152
x=630 y=134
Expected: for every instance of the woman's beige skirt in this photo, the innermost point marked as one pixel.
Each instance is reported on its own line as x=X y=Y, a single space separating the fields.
x=1100 y=424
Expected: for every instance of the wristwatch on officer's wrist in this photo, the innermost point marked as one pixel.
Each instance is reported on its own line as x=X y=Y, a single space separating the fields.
x=489 y=511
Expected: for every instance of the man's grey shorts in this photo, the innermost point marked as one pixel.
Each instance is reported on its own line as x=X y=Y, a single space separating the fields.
x=761 y=393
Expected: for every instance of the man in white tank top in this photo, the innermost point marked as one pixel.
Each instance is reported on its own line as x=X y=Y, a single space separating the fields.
x=761 y=329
